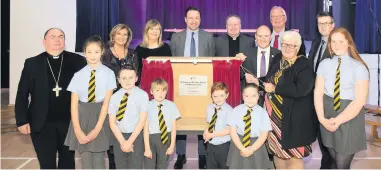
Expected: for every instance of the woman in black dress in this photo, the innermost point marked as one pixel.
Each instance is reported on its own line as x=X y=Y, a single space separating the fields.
x=152 y=44
x=118 y=51
x=115 y=57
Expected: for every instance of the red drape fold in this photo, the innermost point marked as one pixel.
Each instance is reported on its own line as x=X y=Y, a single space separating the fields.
x=229 y=73
x=157 y=69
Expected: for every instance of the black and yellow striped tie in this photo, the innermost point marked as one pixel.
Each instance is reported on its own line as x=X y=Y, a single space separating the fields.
x=122 y=107
x=246 y=134
x=163 y=126
x=212 y=123
x=91 y=92
x=336 y=92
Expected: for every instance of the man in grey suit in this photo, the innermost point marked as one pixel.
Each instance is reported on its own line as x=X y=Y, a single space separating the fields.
x=192 y=42
x=233 y=43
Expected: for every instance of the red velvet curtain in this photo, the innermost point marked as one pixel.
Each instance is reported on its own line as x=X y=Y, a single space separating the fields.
x=157 y=69
x=229 y=73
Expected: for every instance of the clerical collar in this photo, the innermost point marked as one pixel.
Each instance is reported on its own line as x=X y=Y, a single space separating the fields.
x=231 y=38
x=54 y=57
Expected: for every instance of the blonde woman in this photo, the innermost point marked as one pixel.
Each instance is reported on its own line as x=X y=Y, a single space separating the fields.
x=118 y=51
x=114 y=58
x=152 y=44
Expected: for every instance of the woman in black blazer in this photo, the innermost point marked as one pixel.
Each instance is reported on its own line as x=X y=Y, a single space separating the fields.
x=289 y=102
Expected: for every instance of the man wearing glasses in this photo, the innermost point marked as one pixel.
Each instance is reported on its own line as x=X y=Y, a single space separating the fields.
x=278 y=19
x=318 y=52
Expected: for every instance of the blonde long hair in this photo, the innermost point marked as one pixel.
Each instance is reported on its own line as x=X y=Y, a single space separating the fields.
x=149 y=25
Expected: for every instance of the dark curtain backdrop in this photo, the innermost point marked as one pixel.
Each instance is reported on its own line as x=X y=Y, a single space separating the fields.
x=99 y=16
x=95 y=17
x=366 y=36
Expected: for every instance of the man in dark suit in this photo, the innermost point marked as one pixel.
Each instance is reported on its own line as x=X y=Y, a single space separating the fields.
x=319 y=48
x=233 y=42
x=46 y=116
x=257 y=63
x=192 y=42
x=319 y=51
x=278 y=19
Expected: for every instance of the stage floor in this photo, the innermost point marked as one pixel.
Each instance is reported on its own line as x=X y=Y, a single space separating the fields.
x=17 y=152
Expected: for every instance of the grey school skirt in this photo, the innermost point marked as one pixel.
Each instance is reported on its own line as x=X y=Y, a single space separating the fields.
x=259 y=160
x=88 y=114
x=349 y=138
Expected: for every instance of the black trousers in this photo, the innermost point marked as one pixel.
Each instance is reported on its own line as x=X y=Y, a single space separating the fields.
x=48 y=142
x=217 y=156
x=326 y=159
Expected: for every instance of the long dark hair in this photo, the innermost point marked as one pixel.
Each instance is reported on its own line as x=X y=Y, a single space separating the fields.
x=96 y=39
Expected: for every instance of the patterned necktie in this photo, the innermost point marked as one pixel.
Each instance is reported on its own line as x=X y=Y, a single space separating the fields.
x=91 y=91
x=246 y=133
x=336 y=92
x=319 y=55
x=122 y=107
x=275 y=45
x=193 y=46
x=163 y=127
x=212 y=123
x=263 y=64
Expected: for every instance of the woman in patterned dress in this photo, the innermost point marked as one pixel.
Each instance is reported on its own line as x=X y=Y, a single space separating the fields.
x=289 y=102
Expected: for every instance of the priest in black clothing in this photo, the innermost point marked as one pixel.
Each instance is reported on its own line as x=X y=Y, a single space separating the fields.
x=46 y=116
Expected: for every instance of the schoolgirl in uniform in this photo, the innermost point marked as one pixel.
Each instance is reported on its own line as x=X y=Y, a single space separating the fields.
x=91 y=89
x=249 y=127
x=341 y=91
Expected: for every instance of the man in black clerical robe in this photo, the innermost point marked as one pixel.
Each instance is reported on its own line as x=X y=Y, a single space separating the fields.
x=46 y=114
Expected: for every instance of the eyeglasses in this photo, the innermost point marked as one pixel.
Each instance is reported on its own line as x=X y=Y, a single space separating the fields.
x=289 y=46
x=320 y=24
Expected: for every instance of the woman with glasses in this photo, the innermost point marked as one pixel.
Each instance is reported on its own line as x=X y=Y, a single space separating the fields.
x=289 y=102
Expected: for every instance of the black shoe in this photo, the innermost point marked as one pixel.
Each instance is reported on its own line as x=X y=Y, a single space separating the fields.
x=201 y=162
x=181 y=160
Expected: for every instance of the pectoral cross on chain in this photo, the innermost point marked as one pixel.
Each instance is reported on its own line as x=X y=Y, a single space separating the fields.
x=57 y=89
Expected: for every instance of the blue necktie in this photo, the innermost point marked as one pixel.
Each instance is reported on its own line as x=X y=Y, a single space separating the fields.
x=193 y=47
